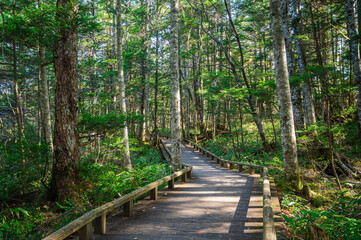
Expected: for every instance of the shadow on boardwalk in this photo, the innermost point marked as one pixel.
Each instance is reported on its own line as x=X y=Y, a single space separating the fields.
x=215 y=204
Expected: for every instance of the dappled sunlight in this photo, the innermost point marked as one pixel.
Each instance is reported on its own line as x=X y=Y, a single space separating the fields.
x=215 y=204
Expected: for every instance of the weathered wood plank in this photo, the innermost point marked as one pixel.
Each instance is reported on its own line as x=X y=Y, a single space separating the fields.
x=269 y=231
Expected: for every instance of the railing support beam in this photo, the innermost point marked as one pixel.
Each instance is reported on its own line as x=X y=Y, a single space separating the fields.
x=171 y=184
x=154 y=194
x=184 y=177
x=100 y=225
x=86 y=232
x=189 y=174
x=128 y=208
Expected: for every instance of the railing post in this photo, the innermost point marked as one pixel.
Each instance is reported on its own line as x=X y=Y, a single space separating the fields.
x=100 y=225
x=86 y=232
x=184 y=177
x=269 y=231
x=128 y=208
x=189 y=174
x=154 y=194
x=240 y=168
x=261 y=172
x=171 y=184
x=217 y=161
x=231 y=166
x=251 y=171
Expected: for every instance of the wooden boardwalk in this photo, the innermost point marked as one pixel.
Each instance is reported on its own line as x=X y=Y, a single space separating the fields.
x=215 y=204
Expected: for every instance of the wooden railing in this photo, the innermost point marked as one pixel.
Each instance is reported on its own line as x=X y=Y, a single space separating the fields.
x=269 y=232
x=97 y=217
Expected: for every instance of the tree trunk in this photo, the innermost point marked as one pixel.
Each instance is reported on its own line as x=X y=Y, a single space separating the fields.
x=66 y=142
x=44 y=104
x=156 y=135
x=288 y=134
x=309 y=107
x=147 y=89
x=122 y=101
x=175 y=93
x=18 y=110
x=295 y=89
x=355 y=55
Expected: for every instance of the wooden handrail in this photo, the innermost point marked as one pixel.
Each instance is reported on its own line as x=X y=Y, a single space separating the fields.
x=84 y=223
x=269 y=232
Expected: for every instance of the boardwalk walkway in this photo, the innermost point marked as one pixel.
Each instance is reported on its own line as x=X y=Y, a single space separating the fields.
x=215 y=204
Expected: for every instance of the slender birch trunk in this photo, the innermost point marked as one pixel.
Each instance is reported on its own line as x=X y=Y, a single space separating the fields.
x=175 y=93
x=295 y=89
x=288 y=134
x=123 y=109
x=309 y=107
x=156 y=135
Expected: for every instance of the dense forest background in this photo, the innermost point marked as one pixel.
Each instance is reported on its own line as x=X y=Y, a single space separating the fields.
x=87 y=89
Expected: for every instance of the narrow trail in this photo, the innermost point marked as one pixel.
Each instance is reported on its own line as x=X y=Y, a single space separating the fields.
x=215 y=204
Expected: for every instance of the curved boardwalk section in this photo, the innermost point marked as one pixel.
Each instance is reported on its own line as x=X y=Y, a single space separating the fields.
x=215 y=204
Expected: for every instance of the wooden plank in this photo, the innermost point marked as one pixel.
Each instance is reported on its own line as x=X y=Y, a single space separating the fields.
x=269 y=231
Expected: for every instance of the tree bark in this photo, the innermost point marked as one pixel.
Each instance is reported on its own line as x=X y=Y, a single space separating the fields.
x=44 y=104
x=122 y=101
x=295 y=89
x=355 y=54
x=175 y=93
x=156 y=135
x=296 y=25
x=66 y=142
x=288 y=134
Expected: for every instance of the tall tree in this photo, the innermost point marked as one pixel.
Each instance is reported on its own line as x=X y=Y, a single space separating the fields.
x=175 y=92
x=123 y=108
x=297 y=27
x=288 y=134
x=355 y=54
x=295 y=89
x=66 y=143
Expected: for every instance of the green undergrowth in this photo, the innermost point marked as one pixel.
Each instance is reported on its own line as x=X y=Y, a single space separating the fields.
x=101 y=180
